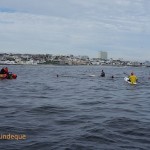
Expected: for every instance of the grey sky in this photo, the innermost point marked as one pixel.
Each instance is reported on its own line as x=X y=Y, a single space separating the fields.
x=79 y=27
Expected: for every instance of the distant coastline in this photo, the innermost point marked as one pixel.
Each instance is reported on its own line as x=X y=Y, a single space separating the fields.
x=61 y=60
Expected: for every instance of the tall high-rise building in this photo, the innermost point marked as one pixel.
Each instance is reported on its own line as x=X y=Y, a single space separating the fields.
x=103 y=55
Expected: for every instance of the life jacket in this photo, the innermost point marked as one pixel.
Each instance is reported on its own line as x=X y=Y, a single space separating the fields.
x=6 y=70
x=133 y=78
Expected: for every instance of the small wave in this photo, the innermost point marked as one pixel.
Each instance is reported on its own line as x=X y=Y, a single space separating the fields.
x=96 y=138
x=91 y=103
x=49 y=110
x=121 y=123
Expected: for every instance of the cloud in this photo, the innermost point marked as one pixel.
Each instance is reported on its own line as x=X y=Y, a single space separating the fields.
x=76 y=27
x=7 y=10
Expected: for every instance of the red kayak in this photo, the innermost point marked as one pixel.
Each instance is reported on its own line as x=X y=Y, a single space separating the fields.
x=3 y=76
x=10 y=76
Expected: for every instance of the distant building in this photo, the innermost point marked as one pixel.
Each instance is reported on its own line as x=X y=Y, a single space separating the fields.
x=103 y=55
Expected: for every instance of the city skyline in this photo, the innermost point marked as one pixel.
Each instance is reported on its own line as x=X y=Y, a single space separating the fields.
x=122 y=28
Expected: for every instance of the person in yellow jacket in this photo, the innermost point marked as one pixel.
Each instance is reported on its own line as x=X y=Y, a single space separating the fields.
x=132 y=78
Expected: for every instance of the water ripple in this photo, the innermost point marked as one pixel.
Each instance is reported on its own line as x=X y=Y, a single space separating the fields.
x=75 y=111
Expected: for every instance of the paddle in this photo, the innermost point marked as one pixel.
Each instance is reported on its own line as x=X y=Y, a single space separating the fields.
x=126 y=73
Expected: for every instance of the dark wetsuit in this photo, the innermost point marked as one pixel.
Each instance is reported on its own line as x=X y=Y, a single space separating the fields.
x=2 y=71
x=103 y=74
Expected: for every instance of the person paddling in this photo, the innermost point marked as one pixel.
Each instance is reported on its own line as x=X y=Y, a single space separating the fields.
x=2 y=71
x=102 y=74
x=133 y=78
x=6 y=70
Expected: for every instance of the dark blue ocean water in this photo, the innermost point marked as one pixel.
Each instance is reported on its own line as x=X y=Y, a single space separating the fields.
x=75 y=111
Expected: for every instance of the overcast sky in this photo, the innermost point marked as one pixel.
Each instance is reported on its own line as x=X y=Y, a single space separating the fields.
x=78 y=27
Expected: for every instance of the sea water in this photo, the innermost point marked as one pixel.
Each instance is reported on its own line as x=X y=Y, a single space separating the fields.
x=73 y=108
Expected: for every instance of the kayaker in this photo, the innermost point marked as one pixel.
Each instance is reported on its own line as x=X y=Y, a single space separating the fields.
x=133 y=78
x=6 y=70
x=9 y=74
x=102 y=74
x=2 y=71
